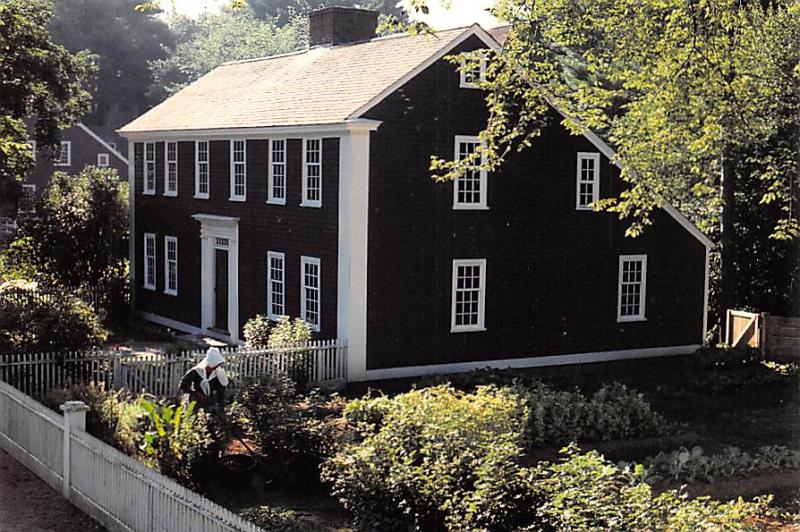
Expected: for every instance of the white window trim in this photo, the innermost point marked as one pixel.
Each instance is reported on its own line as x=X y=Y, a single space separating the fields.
x=146 y=263
x=271 y=199
x=303 y=261
x=305 y=202
x=642 y=293
x=233 y=196
x=594 y=156
x=197 y=193
x=275 y=255
x=463 y=83
x=482 y=205
x=100 y=158
x=481 y=325
x=167 y=290
x=68 y=144
x=32 y=144
x=32 y=205
x=167 y=191
x=145 y=190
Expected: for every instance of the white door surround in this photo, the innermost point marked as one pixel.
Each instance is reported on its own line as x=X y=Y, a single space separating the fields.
x=219 y=232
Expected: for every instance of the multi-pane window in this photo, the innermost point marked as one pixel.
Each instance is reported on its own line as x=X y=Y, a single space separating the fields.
x=588 y=186
x=469 y=189
x=149 y=167
x=469 y=292
x=472 y=76
x=171 y=265
x=102 y=160
x=238 y=170
x=276 y=285
x=171 y=169
x=64 y=155
x=632 y=287
x=150 y=261
x=276 y=186
x=27 y=202
x=310 y=291
x=312 y=173
x=201 y=175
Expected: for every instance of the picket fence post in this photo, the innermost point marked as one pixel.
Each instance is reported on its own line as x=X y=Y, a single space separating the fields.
x=74 y=419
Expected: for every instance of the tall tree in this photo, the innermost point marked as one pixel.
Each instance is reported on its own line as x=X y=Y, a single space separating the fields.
x=684 y=90
x=37 y=79
x=285 y=10
x=125 y=40
x=213 y=39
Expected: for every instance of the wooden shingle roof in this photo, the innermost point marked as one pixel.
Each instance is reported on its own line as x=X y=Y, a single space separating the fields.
x=323 y=85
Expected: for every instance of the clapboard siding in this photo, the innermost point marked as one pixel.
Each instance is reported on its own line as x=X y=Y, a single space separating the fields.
x=289 y=229
x=551 y=270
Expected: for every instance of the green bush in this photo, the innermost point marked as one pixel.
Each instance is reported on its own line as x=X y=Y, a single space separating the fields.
x=725 y=357
x=288 y=333
x=256 y=332
x=442 y=459
x=370 y=410
x=274 y=519
x=30 y=323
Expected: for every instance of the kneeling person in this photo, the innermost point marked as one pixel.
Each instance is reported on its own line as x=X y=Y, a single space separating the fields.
x=206 y=382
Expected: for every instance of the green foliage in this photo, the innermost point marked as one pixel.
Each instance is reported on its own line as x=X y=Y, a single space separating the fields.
x=256 y=332
x=687 y=466
x=216 y=38
x=442 y=459
x=289 y=333
x=369 y=410
x=724 y=357
x=37 y=78
x=80 y=236
x=440 y=456
x=175 y=438
x=270 y=518
x=125 y=41
x=32 y=323
x=285 y=10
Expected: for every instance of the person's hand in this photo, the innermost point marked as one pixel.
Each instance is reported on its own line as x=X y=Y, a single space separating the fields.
x=201 y=398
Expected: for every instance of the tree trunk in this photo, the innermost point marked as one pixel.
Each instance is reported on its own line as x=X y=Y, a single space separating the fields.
x=727 y=281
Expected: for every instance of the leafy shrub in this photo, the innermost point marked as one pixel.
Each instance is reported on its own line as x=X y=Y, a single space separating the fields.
x=270 y=518
x=613 y=412
x=447 y=459
x=724 y=357
x=441 y=457
x=370 y=410
x=686 y=466
x=288 y=333
x=730 y=380
x=29 y=322
x=256 y=332
x=175 y=438
x=294 y=431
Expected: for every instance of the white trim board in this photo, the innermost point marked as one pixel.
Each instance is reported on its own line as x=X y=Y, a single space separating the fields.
x=530 y=362
x=94 y=135
x=255 y=133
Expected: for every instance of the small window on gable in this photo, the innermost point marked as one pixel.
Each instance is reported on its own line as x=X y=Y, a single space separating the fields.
x=632 y=288
x=469 y=189
x=149 y=168
x=149 y=261
x=469 y=295
x=310 y=291
x=276 y=285
x=276 y=173
x=102 y=160
x=171 y=169
x=171 y=265
x=238 y=170
x=471 y=77
x=27 y=201
x=112 y=145
x=312 y=173
x=64 y=155
x=588 y=184
x=201 y=175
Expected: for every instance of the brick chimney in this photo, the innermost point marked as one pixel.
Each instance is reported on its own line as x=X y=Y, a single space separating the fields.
x=331 y=26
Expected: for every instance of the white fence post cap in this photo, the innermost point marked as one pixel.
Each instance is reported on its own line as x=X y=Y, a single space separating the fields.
x=74 y=406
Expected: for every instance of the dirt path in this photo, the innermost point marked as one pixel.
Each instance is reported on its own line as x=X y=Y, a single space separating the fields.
x=28 y=504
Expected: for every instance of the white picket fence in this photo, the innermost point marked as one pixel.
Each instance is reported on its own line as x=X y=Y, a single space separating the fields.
x=322 y=363
x=118 y=491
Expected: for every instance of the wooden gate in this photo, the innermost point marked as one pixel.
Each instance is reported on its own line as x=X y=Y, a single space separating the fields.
x=744 y=329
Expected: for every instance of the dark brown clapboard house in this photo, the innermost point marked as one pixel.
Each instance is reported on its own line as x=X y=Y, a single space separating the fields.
x=299 y=185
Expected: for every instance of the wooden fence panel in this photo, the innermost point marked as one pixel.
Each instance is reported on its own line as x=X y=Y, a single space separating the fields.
x=782 y=336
